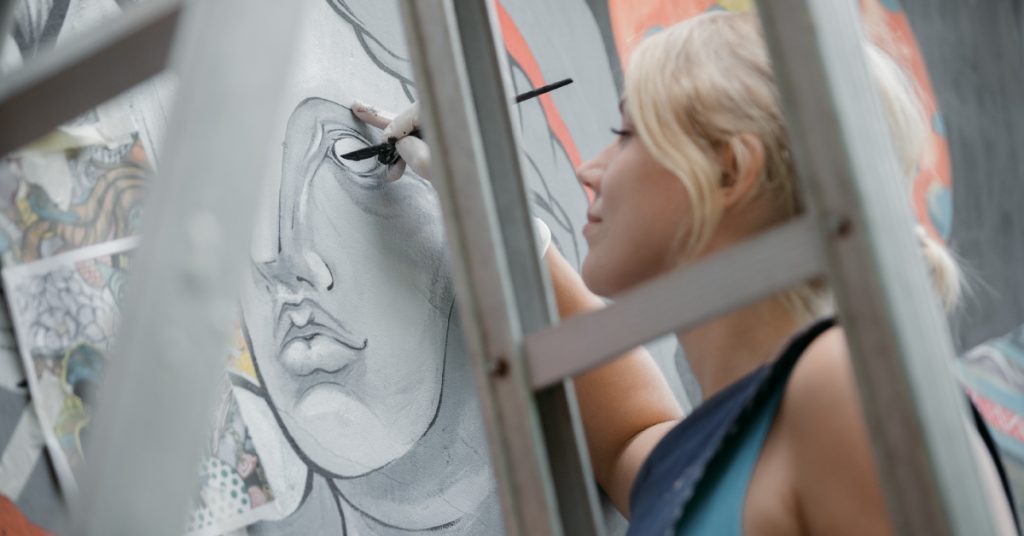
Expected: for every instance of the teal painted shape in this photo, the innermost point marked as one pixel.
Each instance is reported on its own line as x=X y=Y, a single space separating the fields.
x=939 y=124
x=940 y=209
x=891 y=5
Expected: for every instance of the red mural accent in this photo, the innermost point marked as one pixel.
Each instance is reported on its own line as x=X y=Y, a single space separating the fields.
x=632 y=20
x=886 y=26
x=13 y=522
x=520 y=51
x=1002 y=419
x=890 y=30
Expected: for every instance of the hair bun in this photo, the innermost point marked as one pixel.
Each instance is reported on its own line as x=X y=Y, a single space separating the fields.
x=945 y=270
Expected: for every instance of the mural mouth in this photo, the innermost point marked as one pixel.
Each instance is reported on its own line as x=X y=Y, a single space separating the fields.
x=309 y=331
x=316 y=340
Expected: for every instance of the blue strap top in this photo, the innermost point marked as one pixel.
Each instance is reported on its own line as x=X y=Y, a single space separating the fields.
x=717 y=506
x=695 y=479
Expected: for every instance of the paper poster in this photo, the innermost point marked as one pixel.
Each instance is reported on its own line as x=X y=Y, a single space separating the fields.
x=66 y=311
x=54 y=201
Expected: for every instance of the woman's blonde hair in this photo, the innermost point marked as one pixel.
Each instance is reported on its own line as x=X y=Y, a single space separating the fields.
x=702 y=84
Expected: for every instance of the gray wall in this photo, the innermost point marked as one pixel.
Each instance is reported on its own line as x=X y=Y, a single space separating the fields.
x=973 y=51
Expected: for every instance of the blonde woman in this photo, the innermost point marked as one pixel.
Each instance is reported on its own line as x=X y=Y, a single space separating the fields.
x=700 y=163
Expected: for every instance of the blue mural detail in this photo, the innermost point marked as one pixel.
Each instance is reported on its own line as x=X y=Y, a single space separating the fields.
x=891 y=5
x=940 y=209
x=939 y=124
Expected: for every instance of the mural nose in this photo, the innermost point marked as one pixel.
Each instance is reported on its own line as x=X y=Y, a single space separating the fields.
x=311 y=269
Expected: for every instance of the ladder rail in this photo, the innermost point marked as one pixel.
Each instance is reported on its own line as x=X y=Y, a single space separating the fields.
x=483 y=291
x=561 y=423
x=899 y=341
x=180 y=308
x=460 y=68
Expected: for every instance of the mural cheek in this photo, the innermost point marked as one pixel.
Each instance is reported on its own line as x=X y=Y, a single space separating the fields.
x=404 y=372
x=405 y=356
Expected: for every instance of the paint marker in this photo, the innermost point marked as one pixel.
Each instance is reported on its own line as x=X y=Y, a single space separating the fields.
x=388 y=155
x=542 y=90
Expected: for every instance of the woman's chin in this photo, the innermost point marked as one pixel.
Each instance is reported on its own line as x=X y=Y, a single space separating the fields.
x=597 y=280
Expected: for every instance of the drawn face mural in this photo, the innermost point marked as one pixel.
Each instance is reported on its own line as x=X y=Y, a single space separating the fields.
x=364 y=399
x=359 y=296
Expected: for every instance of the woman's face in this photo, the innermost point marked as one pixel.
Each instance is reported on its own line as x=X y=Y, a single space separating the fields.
x=348 y=320
x=639 y=211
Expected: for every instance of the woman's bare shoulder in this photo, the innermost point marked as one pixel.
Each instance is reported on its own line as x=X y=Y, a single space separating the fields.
x=827 y=446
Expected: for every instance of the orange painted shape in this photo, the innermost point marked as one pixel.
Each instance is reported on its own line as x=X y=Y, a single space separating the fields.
x=520 y=51
x=14 y=523
x=633 y=19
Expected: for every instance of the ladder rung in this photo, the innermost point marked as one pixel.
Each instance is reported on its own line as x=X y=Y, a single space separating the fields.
x=777 y=259
x=34 y=99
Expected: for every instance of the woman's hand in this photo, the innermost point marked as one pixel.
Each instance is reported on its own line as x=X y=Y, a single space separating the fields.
x=416 y=153
x=413 y=151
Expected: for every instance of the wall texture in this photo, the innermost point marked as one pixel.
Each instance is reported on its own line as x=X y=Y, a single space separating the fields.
x=974 y=55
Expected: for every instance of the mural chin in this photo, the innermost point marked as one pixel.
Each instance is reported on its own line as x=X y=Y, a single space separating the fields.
x=343 y=435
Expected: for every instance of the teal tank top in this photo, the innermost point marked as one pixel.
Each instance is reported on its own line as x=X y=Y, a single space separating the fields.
x=696 y=479
x=717 y=506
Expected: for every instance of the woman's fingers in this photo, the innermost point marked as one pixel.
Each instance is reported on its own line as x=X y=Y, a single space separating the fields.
x=372 y=116
x=416 y=153
x=404 y=123
x=396 y=170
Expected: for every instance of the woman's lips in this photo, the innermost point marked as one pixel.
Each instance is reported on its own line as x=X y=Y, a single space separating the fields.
x=592 y=222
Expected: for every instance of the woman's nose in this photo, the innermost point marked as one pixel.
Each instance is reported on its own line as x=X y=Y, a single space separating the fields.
x=589 y=174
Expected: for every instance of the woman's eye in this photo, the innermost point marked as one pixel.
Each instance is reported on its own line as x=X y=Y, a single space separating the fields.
x=620 y=132
x=347 y=144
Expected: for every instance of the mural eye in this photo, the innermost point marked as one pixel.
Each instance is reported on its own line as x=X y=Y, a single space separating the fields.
x=347 y=144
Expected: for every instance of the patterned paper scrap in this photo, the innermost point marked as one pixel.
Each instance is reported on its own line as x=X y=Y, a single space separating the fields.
x=66 y=311
x=55 y=201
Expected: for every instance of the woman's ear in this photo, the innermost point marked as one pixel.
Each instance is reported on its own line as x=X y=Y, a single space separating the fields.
x=742 y=159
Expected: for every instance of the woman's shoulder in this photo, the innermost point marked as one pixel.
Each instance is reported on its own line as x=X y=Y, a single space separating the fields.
x=823 y=374
x=825 y=439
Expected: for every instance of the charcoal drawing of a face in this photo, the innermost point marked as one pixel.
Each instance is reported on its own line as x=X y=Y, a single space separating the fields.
x=360 y=297
x=364 y=387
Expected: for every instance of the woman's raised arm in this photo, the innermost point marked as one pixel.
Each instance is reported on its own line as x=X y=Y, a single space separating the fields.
x=627 y=406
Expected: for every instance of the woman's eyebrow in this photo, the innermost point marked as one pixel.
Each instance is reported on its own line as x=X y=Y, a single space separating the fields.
x=622 y=102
